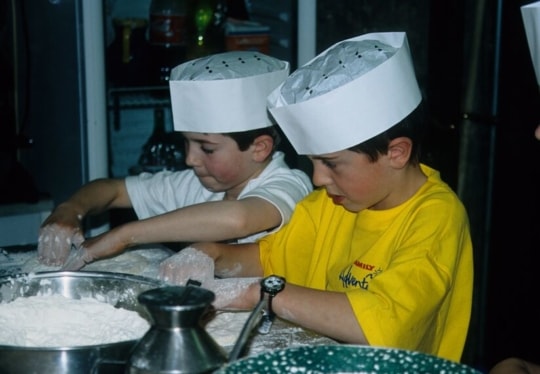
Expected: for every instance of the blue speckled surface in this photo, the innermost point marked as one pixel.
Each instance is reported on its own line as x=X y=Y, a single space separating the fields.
x=344 y=359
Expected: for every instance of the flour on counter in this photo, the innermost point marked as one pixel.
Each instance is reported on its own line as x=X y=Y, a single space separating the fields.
x=143 y=260
x=225 y=327
x=57 y=321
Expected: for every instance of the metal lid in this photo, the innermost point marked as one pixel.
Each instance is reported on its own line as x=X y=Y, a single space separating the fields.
x=177 y=297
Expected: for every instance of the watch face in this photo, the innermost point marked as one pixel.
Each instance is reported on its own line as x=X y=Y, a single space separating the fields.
x=273 y=284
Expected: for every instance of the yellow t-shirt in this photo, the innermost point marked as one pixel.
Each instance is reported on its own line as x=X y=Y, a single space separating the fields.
x=407 y=271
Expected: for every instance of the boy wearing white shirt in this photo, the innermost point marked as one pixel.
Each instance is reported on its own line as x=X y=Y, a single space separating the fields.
x=238 y=187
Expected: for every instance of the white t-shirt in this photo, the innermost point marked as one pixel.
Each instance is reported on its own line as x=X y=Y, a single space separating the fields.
x=154 y=194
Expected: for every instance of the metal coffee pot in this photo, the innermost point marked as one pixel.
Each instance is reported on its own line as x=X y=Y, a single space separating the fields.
x=176 y=342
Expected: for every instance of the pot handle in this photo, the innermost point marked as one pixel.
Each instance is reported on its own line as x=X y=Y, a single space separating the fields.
x=250 y=324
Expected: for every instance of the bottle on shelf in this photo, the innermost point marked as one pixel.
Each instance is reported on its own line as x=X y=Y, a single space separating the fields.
x=167 y=36
x=205 y=27
x=127 y=56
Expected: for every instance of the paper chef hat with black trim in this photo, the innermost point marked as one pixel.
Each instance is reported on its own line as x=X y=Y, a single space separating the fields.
x=353 y=91
x=225 y=92
x=530 y=14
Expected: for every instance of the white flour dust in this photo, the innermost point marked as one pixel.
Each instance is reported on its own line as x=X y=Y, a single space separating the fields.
x=228 y=289
x=141 y=260
x=225 y=327
x=57 y=321
x=187 y=264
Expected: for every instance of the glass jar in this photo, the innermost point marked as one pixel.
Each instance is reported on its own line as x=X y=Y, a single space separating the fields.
x=167 y=37
x=167 y=22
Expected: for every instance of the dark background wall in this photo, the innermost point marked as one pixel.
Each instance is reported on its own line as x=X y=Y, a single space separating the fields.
x=513 y=319
x=476 y=74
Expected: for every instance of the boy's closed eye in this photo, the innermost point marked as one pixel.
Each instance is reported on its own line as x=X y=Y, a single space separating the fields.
x=207 y=150
x=326 y=161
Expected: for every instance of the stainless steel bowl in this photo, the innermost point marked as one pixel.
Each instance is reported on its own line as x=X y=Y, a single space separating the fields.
x=120 y=290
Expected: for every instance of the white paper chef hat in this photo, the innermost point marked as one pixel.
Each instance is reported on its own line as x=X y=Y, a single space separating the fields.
x=531 y=20
x=225 y=92
x=349 y=93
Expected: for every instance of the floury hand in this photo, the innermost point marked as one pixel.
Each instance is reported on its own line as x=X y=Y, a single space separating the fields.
x=189 y=263
x=55 y=242
x=76 y=260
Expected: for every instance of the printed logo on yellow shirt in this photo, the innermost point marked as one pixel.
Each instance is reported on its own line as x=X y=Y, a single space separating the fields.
x=364 y=266
x=353 y=277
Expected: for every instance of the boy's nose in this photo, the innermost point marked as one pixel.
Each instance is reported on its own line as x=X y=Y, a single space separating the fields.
x=191 y=159
x=319 y=178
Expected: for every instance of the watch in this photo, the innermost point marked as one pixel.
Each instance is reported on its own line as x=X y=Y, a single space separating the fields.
x=270 y=287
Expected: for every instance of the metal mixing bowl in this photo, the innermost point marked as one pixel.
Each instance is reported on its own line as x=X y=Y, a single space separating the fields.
x=120 y=290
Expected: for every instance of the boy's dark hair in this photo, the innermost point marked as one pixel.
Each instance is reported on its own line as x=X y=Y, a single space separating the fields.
x=413 y=127
x=245 y=138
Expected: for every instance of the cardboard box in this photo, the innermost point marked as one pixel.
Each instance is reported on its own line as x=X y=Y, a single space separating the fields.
x=247 y=36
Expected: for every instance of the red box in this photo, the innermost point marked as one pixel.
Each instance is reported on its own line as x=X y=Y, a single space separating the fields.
x=247 y=36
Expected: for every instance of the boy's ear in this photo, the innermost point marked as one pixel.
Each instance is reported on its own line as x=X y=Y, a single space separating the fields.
x=399 y=151
x=262 y=146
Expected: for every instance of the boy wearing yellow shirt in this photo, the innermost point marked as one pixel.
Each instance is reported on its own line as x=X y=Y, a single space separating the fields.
x=380 y=253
